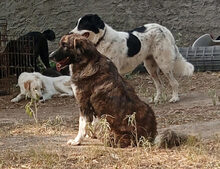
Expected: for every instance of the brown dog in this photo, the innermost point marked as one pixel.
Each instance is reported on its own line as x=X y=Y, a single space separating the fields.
x=100 y=90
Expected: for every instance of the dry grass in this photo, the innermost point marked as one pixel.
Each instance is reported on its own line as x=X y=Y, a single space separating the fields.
x=50 y=127
x=54 y=153
x=193 y=154
x=200 y=81
x=190 y=155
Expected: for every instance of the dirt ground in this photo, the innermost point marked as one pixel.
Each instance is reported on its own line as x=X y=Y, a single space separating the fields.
x=197 y=113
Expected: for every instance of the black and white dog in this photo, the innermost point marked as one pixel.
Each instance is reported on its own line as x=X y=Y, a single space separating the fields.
x=152 y=44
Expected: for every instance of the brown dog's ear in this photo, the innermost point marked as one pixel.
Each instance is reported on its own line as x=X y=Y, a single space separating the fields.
x=78 y=45
x=74 y=43
x=27 y=85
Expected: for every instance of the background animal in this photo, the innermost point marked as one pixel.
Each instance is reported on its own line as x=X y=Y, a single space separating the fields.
x=21 y=54
x=40 y=45
x=51 y=72
x=35 y=85
x=152 y=44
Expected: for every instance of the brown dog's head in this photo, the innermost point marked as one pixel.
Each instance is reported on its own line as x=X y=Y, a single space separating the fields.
x=74 y=49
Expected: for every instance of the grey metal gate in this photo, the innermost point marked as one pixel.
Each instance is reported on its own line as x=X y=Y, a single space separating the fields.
x=203 y=58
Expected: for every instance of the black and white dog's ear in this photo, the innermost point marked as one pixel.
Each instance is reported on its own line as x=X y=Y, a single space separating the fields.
x=98 y=21
x=89 y=22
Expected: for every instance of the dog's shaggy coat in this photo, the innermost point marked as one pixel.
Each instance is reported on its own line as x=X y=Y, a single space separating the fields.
x=101 y=90
x=152 y=44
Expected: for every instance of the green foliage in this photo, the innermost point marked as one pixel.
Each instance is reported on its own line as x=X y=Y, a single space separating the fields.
x=31 y=108
x=28 y=108
x=52 y=64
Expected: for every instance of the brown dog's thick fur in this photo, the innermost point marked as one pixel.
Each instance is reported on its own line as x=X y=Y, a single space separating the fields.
x=101 y=90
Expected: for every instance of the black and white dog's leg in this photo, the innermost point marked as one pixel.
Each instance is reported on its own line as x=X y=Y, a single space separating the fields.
x=81 y=132
x=174 y=84
x=152 y=69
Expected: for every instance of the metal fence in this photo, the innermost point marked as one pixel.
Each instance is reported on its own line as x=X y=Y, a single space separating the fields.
x=203 y=58
x=16 y=56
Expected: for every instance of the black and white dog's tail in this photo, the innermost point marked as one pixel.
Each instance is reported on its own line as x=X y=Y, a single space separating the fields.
x=181 y=66
x=49 y=35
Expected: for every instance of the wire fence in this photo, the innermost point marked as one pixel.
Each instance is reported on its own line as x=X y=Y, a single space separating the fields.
x=16 y=56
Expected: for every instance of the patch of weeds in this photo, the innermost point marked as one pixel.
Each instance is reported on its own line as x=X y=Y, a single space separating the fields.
x=194 y=147
x=4 y=132
x=132 y=122
x=31 y=108
x=145 y=92
x=142 y=141
x=192 y=141
x=179 y=37
x=43 y=157
x=104 y=131
x=145 y=143
x=129 y=76
x=32 y=158
x=164 y=97
x=98 y=157
x=57 y=121
x=55 y=124
x=217 y=139
x=91 y=129
x=212 y=93
x=152 y=99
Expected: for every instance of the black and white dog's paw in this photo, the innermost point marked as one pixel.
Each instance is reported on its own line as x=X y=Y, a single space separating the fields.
x=73 y=142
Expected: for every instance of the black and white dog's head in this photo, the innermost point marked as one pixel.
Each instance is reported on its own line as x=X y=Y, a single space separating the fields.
x=91 y=26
